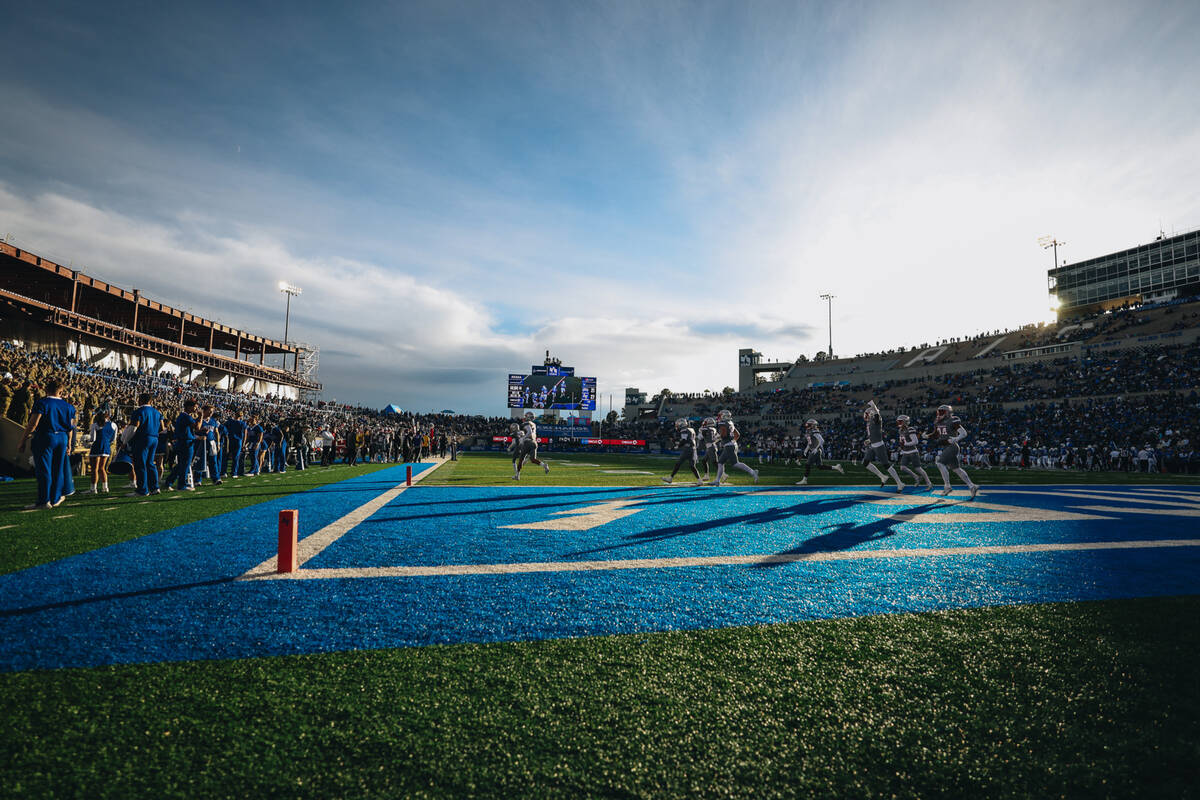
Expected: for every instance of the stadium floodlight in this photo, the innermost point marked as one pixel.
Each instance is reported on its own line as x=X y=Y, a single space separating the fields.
x=1048 y=242
x=829 y=298
x=291 y=291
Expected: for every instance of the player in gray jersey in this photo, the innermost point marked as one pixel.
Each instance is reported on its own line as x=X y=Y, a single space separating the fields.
x=910 y=456
x=813 y=449
x=514 y=446
x=948 y=431
x=728 y=434
x=687 y=451
x=877 y=450
x=527 y=449
x=707 y=436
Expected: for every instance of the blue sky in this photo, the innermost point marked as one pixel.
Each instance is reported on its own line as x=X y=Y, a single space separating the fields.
x=641 y=188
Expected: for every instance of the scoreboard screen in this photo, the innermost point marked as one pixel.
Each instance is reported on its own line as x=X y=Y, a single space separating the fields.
x=561 y=391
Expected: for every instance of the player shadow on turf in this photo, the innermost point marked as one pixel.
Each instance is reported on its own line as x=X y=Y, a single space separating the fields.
x=809 y=508
x=847 y=535
x=558 y=506
x=83 y=601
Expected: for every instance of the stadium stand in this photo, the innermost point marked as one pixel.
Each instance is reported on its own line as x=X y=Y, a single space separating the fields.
x=1116 y=389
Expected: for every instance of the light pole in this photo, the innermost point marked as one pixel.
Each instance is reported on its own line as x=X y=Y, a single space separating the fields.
x=290 y=291
x=829 y=299
x=1049 y=241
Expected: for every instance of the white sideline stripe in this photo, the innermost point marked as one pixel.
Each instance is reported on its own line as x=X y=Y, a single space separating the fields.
x=311 y=545
x=1161 y=512
x=712 y=561
x=1157 y=500
x=63 y=516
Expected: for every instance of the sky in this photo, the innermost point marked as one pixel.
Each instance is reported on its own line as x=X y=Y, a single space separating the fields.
x=641 y=188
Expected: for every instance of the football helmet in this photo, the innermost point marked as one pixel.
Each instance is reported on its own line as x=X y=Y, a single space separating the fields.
x=514 y=428
x=811 y=425
x=529 y=415
x=944 y=411
x=871 y=410
x=681 y=423
x=724 y=415
x=709 y=422
x=903 y=419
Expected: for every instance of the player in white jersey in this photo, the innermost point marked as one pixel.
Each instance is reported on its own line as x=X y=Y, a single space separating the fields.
x=687 y=451
x=910 y=456
x=707 y=436
x=528 y=447
x=814 y=447
x=877 y=450
x=948 y=431
x=728 y=434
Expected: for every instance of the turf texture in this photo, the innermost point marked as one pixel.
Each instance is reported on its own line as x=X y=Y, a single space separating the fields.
x=1068 y=700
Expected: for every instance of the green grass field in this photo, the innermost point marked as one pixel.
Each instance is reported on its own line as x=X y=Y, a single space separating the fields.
x=603 y=469
x=1079 y=700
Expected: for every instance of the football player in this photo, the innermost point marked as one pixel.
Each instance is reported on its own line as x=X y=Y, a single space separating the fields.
x=687 y=451
x=528 y=447
x=708 y=446
x=948 y=431
x=910 y=458
x=727 y=432
x=814 y=447
x=877 y=451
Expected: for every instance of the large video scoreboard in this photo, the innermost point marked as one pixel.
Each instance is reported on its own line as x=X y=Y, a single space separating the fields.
x=551 y=387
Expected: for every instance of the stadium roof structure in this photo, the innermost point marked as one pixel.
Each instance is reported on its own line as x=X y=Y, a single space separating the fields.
x=60 y=297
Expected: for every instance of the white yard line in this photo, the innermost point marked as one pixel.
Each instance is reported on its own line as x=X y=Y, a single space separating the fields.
x=711 y=561
x=312 y=545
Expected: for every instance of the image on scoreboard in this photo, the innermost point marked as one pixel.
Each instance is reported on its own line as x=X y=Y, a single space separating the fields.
x=565 y=392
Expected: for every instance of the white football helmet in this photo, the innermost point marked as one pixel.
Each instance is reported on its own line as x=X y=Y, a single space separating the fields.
x=724 y=415
x=871 y=410
x=709 y=422
x=529 y=415
x=903 y=419
x=811 y=425
x=681 y=423
x=514 y=428
x=944 y=411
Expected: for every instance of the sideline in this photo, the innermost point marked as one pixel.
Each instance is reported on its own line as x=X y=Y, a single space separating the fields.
x=715 y=561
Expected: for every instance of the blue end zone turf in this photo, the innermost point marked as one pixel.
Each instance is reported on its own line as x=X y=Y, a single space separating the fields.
x=174 y=595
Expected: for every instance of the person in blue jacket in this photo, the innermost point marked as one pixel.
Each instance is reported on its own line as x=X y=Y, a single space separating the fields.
x=143 y=444
x=235 y=432
x=186 y=428
x=212 y=444
x=279 y=438
x=254 y=442
x=50 y=424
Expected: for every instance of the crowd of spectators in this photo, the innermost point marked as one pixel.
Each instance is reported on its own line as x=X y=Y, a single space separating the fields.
x=104 y=402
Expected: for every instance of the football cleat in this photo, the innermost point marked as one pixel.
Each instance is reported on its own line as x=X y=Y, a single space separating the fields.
x=838 y=469
x=974 y=490
x=946 y=491
x=802 y=482
x=667 y=480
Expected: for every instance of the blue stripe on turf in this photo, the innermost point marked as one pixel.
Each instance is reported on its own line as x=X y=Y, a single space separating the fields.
x=169 y=596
